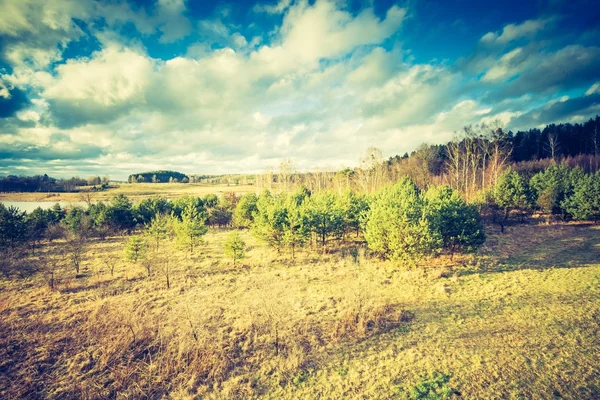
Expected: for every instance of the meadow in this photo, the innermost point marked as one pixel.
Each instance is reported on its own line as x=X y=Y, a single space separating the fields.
x=135 y=191
x=518 y=320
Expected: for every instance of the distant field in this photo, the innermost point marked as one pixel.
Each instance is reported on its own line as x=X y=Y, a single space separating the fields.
x=519 y=321
x=136 y=191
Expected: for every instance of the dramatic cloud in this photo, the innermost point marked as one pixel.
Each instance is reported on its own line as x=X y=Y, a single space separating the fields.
x=116 y=86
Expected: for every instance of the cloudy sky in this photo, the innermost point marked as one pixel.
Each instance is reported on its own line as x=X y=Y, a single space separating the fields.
x=121 y=86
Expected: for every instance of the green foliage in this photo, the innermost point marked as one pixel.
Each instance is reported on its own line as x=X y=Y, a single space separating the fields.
x=456 y=222
x=56 y=214
x=584 y=203
x=135 y=249
x=13 y=226
x=180 y=204
x=147 y=209
x=210 y=200
x=37 y=223
x=78 y=222
x=98 y=214
x=120 y=213
x=552 y=187
x=270 y=220
x=158 y=229
x=157 y=177
x=244 y=210
x=325 y=216
x=219 y=215
x=296 y=230
x=397 y=226
x=432 y=387
x=190 y=229
x=281 y=220
x=512 y=193
x=235 y=247
x=354 y=208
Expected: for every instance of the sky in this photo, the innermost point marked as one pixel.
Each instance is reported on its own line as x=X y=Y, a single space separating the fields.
x=114 y=87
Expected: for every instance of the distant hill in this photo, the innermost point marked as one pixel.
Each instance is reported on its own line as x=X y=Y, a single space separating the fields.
x=158 y=177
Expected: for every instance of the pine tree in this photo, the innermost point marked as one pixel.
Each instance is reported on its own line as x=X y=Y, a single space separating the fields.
x=511 y=193
x=270 y=220
x=456 y=222
x=190 y=229
x=584 y=203
x=397 y=226
x=235 y=247
x=158 y=229
x=325 y=217
x=136 y=249
x=297 y=229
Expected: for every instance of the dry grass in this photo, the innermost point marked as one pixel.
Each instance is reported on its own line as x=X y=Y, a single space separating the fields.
x=519 y=321
x=135 y=191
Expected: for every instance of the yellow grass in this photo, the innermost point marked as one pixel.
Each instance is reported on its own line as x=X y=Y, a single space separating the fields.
x=518 y=321
x=135 y=191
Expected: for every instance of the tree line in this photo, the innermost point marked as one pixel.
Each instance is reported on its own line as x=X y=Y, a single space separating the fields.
x=39 y=183
x=470 y=163
x=158 y=177
x=400 y=221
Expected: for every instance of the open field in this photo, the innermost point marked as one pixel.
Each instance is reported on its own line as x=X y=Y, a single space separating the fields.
x=136 y=191
x=521 y=320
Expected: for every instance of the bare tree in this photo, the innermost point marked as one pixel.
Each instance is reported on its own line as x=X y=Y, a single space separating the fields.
x=285 y=175
x=87 y=196
x=553 y=144
x=76 y=247
x=50 y=268
x=165 y=268
x=110 y=261
x=371 y=172
x=500 y=154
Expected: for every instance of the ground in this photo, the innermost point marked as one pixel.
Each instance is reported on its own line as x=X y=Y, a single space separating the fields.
x=135 y=191
x=519 y=320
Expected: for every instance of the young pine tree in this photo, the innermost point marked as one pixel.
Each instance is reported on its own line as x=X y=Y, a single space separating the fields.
x=190 y=229
x=135 y=249
x=397 y=226
x=511 y=194
x=158 y=229
x=235 y=247
x=457 y=223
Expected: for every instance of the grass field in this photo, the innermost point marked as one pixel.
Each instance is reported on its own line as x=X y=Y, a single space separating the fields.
x=135 y=191
x=519 y=321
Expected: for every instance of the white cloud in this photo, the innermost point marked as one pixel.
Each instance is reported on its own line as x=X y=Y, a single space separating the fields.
x=108 y=84
x=172 y=22
x=506 y=67
x=513 y=32
x=277 y=8
x=320 y=88
x=4 y=91
x=595 y=88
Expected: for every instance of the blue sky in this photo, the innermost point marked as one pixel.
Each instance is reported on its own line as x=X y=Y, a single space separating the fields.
x=121 y=86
